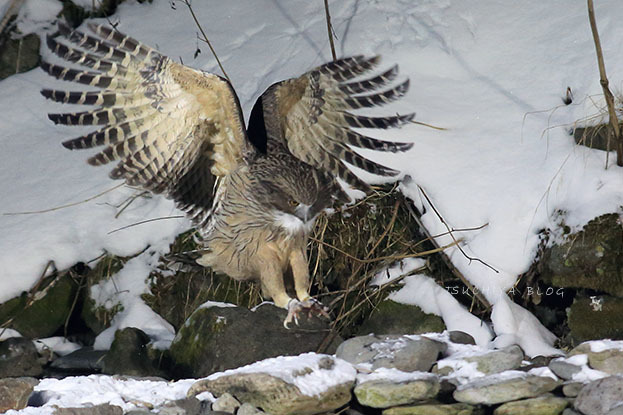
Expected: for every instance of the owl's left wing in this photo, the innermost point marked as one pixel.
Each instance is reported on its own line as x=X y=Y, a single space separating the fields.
x=312 y=116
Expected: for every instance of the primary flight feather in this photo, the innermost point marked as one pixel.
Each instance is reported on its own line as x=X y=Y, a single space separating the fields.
x=252 y=193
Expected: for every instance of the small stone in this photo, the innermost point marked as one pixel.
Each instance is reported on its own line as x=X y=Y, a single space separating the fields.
x=128 y=354
x=461 y=337
x=385 y=393
x=563 y=369
x=187 y=406
x=570 y=411
x=434 y=409
x=248 y=409
x=543 y=405
x=14 y=392
x=600 y=396
x=501 y=388
x=19 y=357
x=82 y=360
x=572 y=389
x=103 y=409
x=495 y=361
x=408 y=354
x=226 y=403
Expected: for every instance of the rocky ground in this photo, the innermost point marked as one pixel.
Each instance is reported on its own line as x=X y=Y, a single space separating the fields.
x=437 y=373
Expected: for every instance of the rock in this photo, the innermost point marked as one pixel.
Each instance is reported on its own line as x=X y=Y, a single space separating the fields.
x=543 y=405
x=226 y=403
x=435 y=409
x=186 y=406
x=19 y=357
x=46 y=311
x=19 y=55
x=607 y=360
x=103 y=409
x=85 y=360
x=390 y=317
x=461 y=337
x=14 y=393
x=563 y=369
x=408 y=354
x=300 y=394
x=572 y=389
x=504 y=387
x=600 y=396
x=591 y=258
x=596 y=317
x=495 y=361
x=215 y=339
x=386 y=393
x=594 y=136
x=248 y=409
x=570 y=411
x=128 y=354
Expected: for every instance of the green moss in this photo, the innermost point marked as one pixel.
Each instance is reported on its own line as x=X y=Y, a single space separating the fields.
x=596 y=318
x=390 y=317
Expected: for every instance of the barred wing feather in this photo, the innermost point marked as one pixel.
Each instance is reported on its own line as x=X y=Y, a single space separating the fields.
x=316 y=122
x=172 y=129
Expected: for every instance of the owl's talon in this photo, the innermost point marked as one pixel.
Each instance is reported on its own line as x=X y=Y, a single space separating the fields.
x=295 y=307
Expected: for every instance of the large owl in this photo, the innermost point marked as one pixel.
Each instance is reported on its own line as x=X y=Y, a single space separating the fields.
x=252 y=193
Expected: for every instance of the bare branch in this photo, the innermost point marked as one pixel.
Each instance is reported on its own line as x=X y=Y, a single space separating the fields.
x=603 y=80
x=329 y=28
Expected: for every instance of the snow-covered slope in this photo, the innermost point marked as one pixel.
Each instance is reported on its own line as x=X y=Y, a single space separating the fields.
x=492 y=73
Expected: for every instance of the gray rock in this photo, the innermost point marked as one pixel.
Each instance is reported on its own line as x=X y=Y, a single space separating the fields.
x=14 y=392
x=501 y=388
x=461 y=337
x=609 y=360
x=600 y=396
x=248 y=409
x=435 y=409
x=226 y=403
x=543 y=405
x=570 y=411
x=219 y=338
x=563 y=369
x=186 y=406
x=82 y=360
x=572 y=389
x=407 y=354
x=491 y=362
x=278 y=397
x=103 y=409
x=385 y=393
x=616 y=411
x=128 y=354
x=19 y=357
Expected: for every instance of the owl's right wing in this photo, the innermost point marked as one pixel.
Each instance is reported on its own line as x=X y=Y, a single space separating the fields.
x=173 y=130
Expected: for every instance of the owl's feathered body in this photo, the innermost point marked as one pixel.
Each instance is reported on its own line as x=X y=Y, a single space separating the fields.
x=252 y=193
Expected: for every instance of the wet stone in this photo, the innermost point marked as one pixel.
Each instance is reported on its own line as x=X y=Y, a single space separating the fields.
x=385 y=393
x=543 y=405
x=504 y=387
x=14 y=392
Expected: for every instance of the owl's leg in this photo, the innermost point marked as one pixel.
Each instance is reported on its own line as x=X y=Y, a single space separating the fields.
x=300 y=272
x=271 y=278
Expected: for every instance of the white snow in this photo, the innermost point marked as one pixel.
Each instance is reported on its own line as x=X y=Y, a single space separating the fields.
x=492 y=74
x=606 y=344
x=129 y=394
x=393 y=375
x=58 y=344
x=219 y=304
x=291 y=370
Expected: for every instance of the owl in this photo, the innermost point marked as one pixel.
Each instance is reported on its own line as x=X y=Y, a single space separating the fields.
x=251 y=192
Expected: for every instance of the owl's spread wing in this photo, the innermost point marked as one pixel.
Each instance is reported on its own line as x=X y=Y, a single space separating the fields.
x=317 y=125
x=173 y=129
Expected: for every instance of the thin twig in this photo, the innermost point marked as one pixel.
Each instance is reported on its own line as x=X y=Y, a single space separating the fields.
x=329 y=28
x=428 y=125
x=451 y=232
x=603 y=80
x=447 y=261
x=205 y=38
x=64 y=206
x=145 y=221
